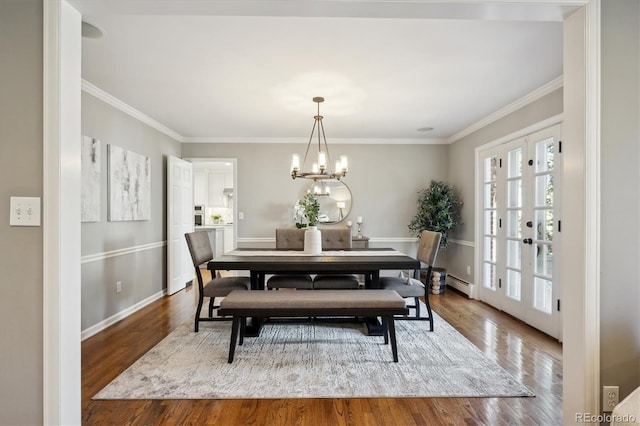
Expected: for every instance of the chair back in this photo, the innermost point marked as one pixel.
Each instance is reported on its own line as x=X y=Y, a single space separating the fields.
x=289 y=239
x=199 y=247
x=428 y=247
x=336 y=238
x=332 y=238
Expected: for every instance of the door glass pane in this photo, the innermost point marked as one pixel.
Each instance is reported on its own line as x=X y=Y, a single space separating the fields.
x=513 y=284
x=490 y=222
x=490 y=195
x=514 y=223
x=542 y=295
x=544 y=190
x=490 y=249
x=544 y=259
x=514 y=168
x=544 y=155
x=513 y=253
x=544 y=225
x=514 y=193
x=489 y=280
x=490 y=168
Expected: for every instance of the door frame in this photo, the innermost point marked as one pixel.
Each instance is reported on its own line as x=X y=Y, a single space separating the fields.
x=61 y=259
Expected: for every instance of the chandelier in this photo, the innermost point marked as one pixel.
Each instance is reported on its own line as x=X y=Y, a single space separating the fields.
x=320 y=169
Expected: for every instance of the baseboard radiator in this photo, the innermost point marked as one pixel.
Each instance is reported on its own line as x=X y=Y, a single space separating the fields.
x=459 y=284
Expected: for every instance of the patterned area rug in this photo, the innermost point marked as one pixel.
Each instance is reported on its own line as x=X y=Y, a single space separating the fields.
x=314 y=360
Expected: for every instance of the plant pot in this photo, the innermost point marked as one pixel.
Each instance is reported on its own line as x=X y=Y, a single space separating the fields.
x=312 y=240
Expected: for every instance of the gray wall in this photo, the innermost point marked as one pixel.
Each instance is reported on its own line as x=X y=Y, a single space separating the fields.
x=462 y=173
x=620 y=174
x=384 y=181
x=143 y=273
x=21 y=150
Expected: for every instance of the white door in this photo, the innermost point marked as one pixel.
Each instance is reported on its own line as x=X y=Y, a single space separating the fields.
x=520 y=228
x=179 y=221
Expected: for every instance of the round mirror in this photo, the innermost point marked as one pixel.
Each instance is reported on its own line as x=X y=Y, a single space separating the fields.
x=334 y=197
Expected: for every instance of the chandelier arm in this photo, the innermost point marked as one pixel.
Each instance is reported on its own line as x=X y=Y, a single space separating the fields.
x=326 y=147
x=304 y=161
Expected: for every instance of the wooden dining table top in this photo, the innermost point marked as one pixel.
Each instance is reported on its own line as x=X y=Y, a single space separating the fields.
x=354 y=260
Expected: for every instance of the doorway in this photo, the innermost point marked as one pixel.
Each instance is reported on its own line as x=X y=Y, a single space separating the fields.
x=521 y=184
x=215 y=196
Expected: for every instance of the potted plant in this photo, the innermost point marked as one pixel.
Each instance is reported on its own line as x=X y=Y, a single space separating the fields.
x=216 y=218
x=309 y=208
x=438 y=210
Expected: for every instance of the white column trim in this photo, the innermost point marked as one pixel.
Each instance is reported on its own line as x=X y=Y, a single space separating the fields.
x=61 y=357
x=50 y=215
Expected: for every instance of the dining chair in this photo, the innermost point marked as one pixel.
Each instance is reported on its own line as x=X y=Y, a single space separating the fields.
x=412 y=287
x=335 y=239
x=290 y=239
x=200 y=250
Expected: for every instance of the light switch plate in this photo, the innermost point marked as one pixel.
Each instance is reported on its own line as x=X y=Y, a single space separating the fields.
x=25 y=211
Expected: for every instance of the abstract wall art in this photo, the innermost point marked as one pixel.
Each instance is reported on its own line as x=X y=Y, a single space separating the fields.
x=129 y=185
x=91 y=184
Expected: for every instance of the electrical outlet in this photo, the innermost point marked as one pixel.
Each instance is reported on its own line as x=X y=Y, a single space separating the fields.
x=118 y=286
x=240 y=215
x=610 y=398
x=468 y=270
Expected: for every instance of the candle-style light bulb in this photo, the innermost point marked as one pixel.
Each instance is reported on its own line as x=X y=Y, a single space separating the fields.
x=322 y=160
x=314 y=168
x=344 y=162
x=295 y=162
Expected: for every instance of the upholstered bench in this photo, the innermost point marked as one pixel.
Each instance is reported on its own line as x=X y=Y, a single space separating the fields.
x=327 y=303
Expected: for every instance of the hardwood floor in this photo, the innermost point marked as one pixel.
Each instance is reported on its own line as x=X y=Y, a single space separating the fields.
x=529 y=355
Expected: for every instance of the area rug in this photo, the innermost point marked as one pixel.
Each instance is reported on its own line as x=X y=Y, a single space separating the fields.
x=314 y=360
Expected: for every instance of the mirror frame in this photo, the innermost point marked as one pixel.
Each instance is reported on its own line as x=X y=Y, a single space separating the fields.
x=342 y=188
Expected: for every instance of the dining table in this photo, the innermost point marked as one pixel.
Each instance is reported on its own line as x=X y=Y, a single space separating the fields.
x=260 y=262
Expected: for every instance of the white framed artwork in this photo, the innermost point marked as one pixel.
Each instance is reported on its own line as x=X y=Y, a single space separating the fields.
x=91 y=179
x=129 y=185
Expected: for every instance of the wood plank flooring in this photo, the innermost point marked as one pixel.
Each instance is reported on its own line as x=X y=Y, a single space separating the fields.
x=529 y=355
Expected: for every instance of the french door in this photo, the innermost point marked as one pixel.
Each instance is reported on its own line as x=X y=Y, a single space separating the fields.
x=520 y=186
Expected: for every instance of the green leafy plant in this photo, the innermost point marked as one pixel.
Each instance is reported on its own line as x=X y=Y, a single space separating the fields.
x=438 y=210
x=310 y=208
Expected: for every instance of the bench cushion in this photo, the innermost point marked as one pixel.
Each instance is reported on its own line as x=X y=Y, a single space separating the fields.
x=329 y=299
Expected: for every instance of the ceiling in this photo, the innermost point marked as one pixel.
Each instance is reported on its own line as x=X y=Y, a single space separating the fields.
x=246 y=71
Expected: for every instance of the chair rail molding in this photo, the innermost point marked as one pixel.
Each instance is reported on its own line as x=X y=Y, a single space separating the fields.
x=121 y=252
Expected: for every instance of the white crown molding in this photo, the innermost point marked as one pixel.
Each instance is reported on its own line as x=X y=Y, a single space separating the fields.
x=133 y=112
x=334 y=141
x=128 y=109
x=533 y=96
x=120 y=252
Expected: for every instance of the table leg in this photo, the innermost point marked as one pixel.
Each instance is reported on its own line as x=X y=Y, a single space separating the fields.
x=374 y=327
x=255 y=323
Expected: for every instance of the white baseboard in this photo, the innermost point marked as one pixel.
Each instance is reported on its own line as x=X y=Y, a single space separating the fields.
x=459 y=284
x=102 y=325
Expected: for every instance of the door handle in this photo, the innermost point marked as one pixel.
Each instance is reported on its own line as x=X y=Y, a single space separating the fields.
x=527 y=241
